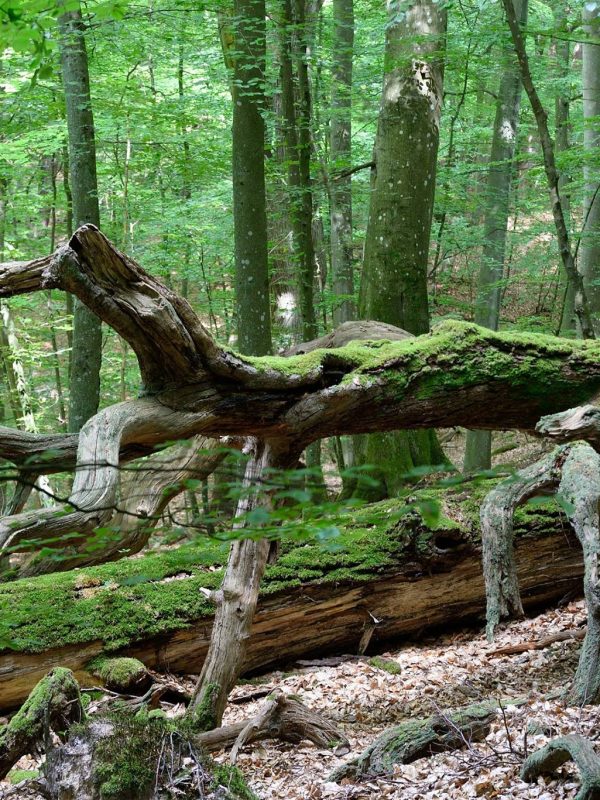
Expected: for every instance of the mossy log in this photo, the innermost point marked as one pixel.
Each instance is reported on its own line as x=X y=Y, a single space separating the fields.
x=419 y=738
x=314 y=600
x=573 y=747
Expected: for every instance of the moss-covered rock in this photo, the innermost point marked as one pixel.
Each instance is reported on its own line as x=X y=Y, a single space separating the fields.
x=120 y=674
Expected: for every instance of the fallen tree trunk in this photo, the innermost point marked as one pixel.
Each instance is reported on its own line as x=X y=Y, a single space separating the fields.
x=408 y=576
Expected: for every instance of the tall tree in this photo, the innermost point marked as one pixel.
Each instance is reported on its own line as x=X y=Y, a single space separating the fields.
x=562 y=113
x=340 y=150
x=590 y=243
x=497 y=197
x=296 y=108
x=580 y=303
x=86 y=354
x=248 y=168
x=394 y=278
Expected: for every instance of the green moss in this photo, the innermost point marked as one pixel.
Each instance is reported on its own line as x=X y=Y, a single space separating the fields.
x=231 y=778
x=119 y=674
x=126 y=761
x=17 y=775
x=201 y=716
x=385 y=664
x=30 y=719
x=127 y=601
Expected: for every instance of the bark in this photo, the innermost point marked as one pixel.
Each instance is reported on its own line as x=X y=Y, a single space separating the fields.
x=590 y=242
x=86 y=355
x=497 y=511
x=296 y=106
x=411 y=581
x=145 y=491
x=394 y=281
x=282 y=717
x=572 y=747
x=417 y=739
x=500 y=177
x=340 y=154
x=580 y=302
x=237 y=596
x=562 y=114
x=248 y=171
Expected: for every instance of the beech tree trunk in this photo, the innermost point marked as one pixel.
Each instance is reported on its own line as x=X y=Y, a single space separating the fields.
x=340 y=150
x=478 y=450
x=86 y=354
x=590 y=242
x=249 y=192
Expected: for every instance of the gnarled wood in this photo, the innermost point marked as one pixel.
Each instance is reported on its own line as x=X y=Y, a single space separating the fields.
x=573 y=747
x=416 y=739
x=497 y=511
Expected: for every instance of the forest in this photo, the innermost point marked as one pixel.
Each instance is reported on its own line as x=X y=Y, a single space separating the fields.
x=299 y=399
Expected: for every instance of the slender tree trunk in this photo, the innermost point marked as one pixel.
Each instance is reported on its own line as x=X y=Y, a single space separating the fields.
x=295 y=98
x=340 y=154
x=581 y=303
x=86 y=354
x=248 y=167
x=237 y=598
x=568 y=325
x=500 y=179
x=590 y=242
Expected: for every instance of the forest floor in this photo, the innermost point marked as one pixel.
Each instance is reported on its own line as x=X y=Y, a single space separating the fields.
x=436 y=674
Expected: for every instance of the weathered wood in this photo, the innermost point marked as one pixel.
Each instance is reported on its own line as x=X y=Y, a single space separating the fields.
x=538 y=644
x=497 y=511
x=281 y=717
x=573 y=747
x=416 y=591
x=417 y=739
x=351 y=331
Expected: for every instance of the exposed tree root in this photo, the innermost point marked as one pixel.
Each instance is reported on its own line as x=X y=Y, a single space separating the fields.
x=281 y=717
x=573 y=747
x=573 y=472
x=416 y=739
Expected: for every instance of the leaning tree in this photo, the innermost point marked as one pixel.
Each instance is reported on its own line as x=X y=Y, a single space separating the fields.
x=273 y=407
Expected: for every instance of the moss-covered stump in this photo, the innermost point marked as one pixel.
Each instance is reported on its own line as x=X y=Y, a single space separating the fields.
x=556 y=753
x=123 y=756
x=52 y=706
x=125 y=675
x=416 y=739
x=386 y=562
